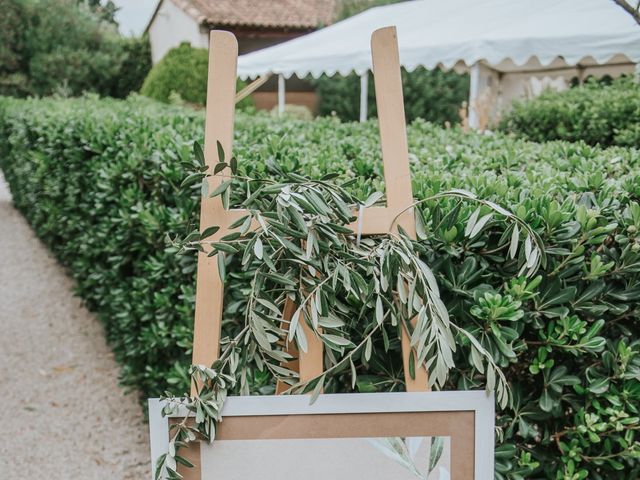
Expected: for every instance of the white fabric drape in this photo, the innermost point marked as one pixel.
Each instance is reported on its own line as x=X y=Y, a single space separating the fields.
x=507 y=35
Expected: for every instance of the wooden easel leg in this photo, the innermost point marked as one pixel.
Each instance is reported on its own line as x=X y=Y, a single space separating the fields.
x=220 y=113
x=309 y=364
x=311 y=361
x=395 y=156
x=221 y=88
x=287 y=314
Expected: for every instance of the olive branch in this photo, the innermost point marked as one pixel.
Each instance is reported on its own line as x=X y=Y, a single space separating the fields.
x=296 y=246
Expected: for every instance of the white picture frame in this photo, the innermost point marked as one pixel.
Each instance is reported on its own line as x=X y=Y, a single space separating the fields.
x=481 y=404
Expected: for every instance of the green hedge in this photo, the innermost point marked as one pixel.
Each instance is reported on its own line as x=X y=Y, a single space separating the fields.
x=595 y=113
x=99 y=182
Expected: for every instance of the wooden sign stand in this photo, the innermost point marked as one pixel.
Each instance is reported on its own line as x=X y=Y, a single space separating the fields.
x=219 y=124
x=466 y=418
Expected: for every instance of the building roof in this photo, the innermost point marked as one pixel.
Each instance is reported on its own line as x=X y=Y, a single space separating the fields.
x=272 y=14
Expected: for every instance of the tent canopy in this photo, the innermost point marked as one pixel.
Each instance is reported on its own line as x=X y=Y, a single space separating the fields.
x=508 y=36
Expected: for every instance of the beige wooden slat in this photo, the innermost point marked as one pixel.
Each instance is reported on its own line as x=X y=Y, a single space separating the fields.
x=221 y=89
x=395 y=156
x=376 y=220
x=219 y=123
x=287 y=313
x=311 y=362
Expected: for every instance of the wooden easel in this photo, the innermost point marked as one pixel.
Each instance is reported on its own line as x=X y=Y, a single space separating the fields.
x=219 y=124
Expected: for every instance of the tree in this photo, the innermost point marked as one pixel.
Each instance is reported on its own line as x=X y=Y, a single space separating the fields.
x=13 y=45
x=634 y=11
x=348 y=8
x=69 y=47
x=105 y=10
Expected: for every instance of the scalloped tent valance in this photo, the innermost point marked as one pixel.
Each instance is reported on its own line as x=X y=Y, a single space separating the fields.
x=506 y=35
x=512 y=48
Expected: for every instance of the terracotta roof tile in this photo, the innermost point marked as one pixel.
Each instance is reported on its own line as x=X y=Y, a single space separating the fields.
x=296 y=14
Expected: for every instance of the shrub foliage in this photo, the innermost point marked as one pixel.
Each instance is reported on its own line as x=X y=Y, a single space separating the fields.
x=182 y=72
x=99 y=181
x=432 y=95
x=595 y=113
x=67 y=47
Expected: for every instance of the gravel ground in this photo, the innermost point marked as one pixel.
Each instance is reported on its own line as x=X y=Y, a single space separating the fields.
x=65 y=416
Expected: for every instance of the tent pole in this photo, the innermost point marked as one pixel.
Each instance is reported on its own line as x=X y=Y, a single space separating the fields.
x=364 y=95
x=280 y=95
x=474 y=87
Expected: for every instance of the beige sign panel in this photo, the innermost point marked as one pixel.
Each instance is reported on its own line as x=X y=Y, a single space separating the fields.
x=429 y=436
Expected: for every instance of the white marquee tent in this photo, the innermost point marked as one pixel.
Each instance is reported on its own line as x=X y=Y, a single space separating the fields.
x=502 y=43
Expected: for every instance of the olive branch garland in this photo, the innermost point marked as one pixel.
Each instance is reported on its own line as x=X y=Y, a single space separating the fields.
x=296 y=244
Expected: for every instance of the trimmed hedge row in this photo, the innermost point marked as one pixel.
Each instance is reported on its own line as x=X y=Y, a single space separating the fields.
x=99 y=182
x=595 y=113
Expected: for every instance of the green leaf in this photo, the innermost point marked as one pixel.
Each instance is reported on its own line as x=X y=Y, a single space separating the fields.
x=420 y=228
x=224 y=247
x=317 y=390
x=280 y=279
x=222 y=269
x=301 y=338
x=226 y=196
x=471 y=223
x=379 y=311
x=354 y=375
x=220 y=151
x=159 y=466
x=209 y=231
x=219 y=167
x=559 y=297
x=367 y=349
x=198 y=153
x=599 y=386
x=191 y=179
x=294 y=323
x=337 y=340
x=546 y=402
x=372 y=199
x=479 y=225
x=515 y=239
x=184 y=461
x=435 y=453
x=412 y=365
x=258 y=248
x=221 y=188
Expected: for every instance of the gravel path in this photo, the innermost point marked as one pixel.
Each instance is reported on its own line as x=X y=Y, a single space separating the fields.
x=65 y=416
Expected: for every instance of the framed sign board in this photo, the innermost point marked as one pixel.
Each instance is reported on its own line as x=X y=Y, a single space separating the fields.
x=413 y=435
x=373 y=436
